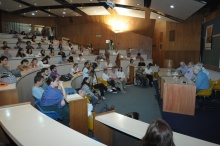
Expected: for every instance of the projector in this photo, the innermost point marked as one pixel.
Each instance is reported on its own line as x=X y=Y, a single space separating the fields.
x=110 y=4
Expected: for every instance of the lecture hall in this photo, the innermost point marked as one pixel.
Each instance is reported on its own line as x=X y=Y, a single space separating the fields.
x=109 y=72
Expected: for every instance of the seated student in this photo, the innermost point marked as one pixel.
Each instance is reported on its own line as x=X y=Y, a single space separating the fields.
x=37 y=90
x=189 y=73
x=117 y=81
x=204 y=70
x=121 y=77
x=106 y=77
x=33 y=63
x=70 y=60
x=29 y=45
x=41 y=53
x=70 y=47
x=17 y=36
x=6 y=53
x=33 y=41
x=61 y=52
x=80 y=58
x=23 y=66
x=74 y=69
x=4 y=65
x=108 y=64
x=99 y=65
x=63 y=60
x=86 y=89
x=29 y=53
x=100 y=57
x=115 y=52
x=20 y=53
x=50 y=47
x=202 y=80
x=39 y=46
x=141 y=63
x=86 y=69
x=141 y=76
x=53 y=69
x=149 y=73
x=54 y=100
x=128 y=57
x=158 y=133
x=72 y=52
x=17 y=45
x=44 y=62
x=52 y=52
x=138 y=57
x=183 y=68
x=5 y=44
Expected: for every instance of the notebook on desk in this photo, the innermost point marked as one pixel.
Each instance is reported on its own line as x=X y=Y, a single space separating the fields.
x=73 y=97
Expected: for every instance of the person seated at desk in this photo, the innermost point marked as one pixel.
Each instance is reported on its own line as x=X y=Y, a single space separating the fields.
x=6 y=53
x=50 y=47
x=107 y=53
x=61 y=52
x=29 y=45
x=44 y=62
x=75 y=69
x=122 y=77
x=17 y=46
x=80 y=58
x=37 y=90
x=33 y=63
x=86 y=69
x=70 y=47
x=115 y=52
x=100 y=57
x=128 y=57
x=99 y=65
x=106 y=77
x=33 y=41
x=5 y=44
x=21 y=53
x=189 y=73
x=53 y=69
x=23 y=66
x=70 y=60
x=53 y=99
x=139 y=57
x=202 y=80
x=117 y=81
x=63 y=60
x=183 y=68
x=149 y=73
x=72 y=52
x=141 y=63
x=41 y=53
x=139 y=73
x=52 y=52
x=17 y=36
x=203 y=69
x=108 y=64
x=158 y=133
x=39 y=46
x=4 y=67
x=29 y=53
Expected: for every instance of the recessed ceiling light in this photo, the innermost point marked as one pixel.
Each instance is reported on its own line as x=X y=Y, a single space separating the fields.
x=63 y=16
x=64 y=9
x=20 y=6
x=49 y=15
x=64 y=12
x=32 y=14
x=24 y=13
x=0 y=2
x=94 y=11
x=35 y=4
x=172 y=6
x=159 y=17
x=80 y=7
x=36 y=11
x=71 y=1
x=48 y=9
x=91 y=0
x=138 y=4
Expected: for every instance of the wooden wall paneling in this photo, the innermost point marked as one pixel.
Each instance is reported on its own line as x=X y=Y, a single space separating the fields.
x=9 y=97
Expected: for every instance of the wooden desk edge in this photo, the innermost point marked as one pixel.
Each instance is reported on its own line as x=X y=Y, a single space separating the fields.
x=12 y=105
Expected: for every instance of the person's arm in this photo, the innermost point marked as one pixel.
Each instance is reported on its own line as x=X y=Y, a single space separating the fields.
x=64 y=93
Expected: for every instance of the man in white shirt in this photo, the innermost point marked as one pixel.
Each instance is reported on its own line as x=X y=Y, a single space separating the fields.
x=115 y=52
x=80 y=58
x=149 y=73
x=108 y=63
x=75 y=69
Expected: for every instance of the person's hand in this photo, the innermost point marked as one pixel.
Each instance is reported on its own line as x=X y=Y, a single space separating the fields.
x=62 y=102
x=61 y=84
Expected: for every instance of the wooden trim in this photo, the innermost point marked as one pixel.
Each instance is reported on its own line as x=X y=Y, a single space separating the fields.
x=212 y=67
x=9 y=97
x=19 y=104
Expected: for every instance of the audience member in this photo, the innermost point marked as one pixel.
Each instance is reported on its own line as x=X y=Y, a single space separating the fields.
x=149 y=73
x=115 y=52
x=41 y=53
x=70 y=47
x=37 y=90
x=138 y=57
x=17 y=45
x=61 y=52
x=24 y=65
x=63 y=60
x=99 y=65
x=52 y=52
x=44 y=62
x=80 y=58
x=20 y=53
x=202 y=80
x=189 y=73
x=6 y=53
x=54 y=100
x=33 y=41
x=86 y=69
x=39 y=46
x=33 y=63
x=29 y=53
x=121 y=77
x=183 y=68
x=141 y=63
x=17 y=36
x=106 y=77
x=203 y=69
x=100 y=57
x=75 y=69
x=70 y=60
x=53 y=69
x=117 y=81
x=4 y=67
x=108 y=63
x=107 y=53
x=128 y=56
x=51 y=34
x=141 y=76
x=29 y=45
x=72 y=51
x=158 y=133
x=5 y=44
x=50 y=47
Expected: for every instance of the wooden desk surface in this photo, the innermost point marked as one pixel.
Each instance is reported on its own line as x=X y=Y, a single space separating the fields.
x=29 y=127
x=170 y=80
x=138 y=129
x=8 y=87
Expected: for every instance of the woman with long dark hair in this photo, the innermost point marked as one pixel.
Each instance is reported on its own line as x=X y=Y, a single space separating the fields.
x=158 y=133
x=53 y=99
x=21 y=53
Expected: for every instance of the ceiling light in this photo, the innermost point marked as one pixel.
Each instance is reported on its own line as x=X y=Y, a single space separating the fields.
x=64 y=12
x=138 y=4
x=35 y=4
x=48 y=9
x=91 y=0
x=0 y=2
x=49 y=15
x=32 y=14
x=24 y=13
x=80 y=7
x=159 y=17
x=63 y=16
x=20 y=6
x=64 y=9
x=172 y=6
x=36 y=11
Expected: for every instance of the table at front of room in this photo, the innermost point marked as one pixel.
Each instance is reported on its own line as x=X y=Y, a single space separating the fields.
x=105 y=124
x=8 y=95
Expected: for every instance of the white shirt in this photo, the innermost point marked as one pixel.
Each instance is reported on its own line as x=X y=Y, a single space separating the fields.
x=81 y=60
x=72 y=71
x=108 y=65
x=105 y=77
x=148 y=71
x=121 y=75
x=30 y=55
x=115 y=53
x=40 y=64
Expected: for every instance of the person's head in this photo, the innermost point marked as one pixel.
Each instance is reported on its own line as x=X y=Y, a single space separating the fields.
x=149 y=65
x=86 y=64
x=98 y=61
x=24 y=62
x=61 y=49
x=20 y=51
x=38 y=80
x=133 y=115
x=190 y=64
x=53 y=68
x=139 y=54
x=18 y=44
x=48 y=58
x=114 y=69
x=141 y=59
x=86 y=80
x=42 y=52
x=52 y=51
x=71 y=59
x=33 y=39
x=45 y=71
x=29 y=51
x=63 y=57
x=28 y=43
x=53 y=81
x=44 y=60
x=197 y=68
x=120 y=69
x=4 y=60
x=129 y=55
x=5 y=43
x=182 y=64
x=80 y=55
x=105 y=70
x=6 y=49
x=34 y=61
x=70 y=45
x=75 y=66
x=39 y=44
x=200 y=63
x=50 y=46
x=158 y=133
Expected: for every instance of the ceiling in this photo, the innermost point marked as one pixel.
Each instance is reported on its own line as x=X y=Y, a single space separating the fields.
x=160 y=9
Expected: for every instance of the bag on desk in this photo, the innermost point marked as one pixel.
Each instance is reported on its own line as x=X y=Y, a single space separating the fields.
x=65 y=77
x=8 y=78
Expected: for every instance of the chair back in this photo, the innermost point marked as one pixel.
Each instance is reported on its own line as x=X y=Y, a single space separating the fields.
x=52 y=114
x=217 y=85
x=206 y=93
x=100 y=80
x=88 y=98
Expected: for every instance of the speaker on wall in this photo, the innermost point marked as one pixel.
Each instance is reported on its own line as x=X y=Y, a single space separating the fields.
x=147 y=3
